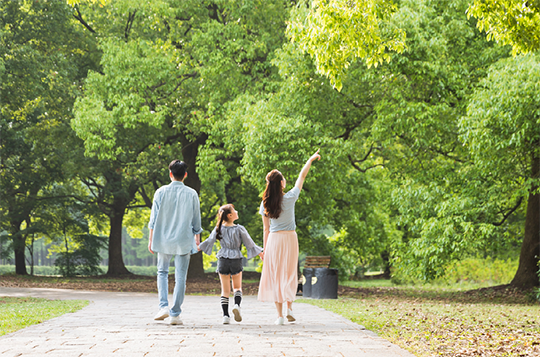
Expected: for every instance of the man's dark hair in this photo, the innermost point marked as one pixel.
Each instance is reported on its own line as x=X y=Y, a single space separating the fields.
x=178 y=169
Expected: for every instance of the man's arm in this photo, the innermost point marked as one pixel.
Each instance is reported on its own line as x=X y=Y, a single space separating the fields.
x=153 y=215
x=150 y=241
x=196 y=220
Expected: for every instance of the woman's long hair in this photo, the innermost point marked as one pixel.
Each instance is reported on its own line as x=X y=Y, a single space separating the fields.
x=273 y=194
x=222 y=215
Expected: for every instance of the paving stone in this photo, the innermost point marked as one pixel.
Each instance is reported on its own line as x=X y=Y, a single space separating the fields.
x=121 y=324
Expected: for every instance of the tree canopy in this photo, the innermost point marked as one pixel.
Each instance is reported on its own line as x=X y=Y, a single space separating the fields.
x=428 y=130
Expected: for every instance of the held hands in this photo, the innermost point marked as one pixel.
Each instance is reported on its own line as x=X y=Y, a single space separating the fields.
x=261 y=255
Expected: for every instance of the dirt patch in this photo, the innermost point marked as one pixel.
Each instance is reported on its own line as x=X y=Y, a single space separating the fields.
x=131 y=283
x=209 y=285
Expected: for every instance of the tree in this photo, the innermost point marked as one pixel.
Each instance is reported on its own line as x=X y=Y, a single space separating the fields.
x=509 y=22
x=167 y=74
x=501 y=130
x=403 y=115
x=44 y=58
x=337 y=32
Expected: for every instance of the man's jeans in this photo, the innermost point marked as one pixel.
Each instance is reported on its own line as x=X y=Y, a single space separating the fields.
x=181 y=263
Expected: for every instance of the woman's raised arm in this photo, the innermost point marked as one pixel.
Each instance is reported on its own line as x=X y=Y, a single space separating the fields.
x=305 y=170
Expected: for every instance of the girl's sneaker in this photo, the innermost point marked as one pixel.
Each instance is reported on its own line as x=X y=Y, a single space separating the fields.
x=236 y=312
x=226 y=320
x=280 y=321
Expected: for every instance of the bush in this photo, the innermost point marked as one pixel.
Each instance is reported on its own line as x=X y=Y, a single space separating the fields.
x=494 y=271
x=84 y=260
x=486 y=271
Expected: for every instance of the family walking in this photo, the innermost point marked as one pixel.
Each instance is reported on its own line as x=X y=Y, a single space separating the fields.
x=175 y=228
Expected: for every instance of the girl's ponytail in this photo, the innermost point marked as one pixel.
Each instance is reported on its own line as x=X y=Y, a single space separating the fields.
x=223 y=212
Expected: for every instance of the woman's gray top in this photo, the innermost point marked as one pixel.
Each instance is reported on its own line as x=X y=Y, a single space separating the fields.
x=285 y=221
x=232 y=240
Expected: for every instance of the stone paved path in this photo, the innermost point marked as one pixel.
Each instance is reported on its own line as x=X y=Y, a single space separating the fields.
x=121 y=324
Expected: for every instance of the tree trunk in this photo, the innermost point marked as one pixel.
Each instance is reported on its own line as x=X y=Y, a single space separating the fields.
x=116 y=261
x=19 y=246
x=527 y=273
x=189 y=156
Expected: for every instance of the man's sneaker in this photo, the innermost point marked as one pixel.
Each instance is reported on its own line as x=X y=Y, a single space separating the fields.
x=236 y=312
x=280 y=321
x=175 y=320
x=162 y=314
x=290 y=315
x=226 y=320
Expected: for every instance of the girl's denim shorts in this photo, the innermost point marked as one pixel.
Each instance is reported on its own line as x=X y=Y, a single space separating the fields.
x=228 y=266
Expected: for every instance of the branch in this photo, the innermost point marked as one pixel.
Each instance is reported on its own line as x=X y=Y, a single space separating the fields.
x=447 y=154
x=145 y=197
x=84 y=23
x=354 y=164
x=509 y=213
x=137 y=206
x=208 y=215
x=354 y=104
x=129 y=24
x=64 y=196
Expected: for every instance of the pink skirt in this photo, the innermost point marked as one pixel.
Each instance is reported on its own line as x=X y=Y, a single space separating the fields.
x=279 y=278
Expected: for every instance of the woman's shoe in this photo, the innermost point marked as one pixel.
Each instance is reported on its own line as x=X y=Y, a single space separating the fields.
x=290 y=315
x=280 y=321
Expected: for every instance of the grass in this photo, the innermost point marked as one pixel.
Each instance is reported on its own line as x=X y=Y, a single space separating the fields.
x=431 y=321
x=437 y=286
x=18 y=313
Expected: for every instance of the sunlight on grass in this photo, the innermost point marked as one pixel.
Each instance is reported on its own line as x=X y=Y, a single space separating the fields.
x=375 y=283
x=433 y=325
x=18 y=313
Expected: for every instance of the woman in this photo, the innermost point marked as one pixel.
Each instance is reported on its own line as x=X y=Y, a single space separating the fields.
x=279 y=279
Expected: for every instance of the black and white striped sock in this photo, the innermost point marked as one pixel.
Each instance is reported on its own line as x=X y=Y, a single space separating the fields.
x=238 y=297
x=225 y=305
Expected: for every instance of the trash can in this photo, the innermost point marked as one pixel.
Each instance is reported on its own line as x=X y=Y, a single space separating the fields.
x=324 y=283
x=306 y=288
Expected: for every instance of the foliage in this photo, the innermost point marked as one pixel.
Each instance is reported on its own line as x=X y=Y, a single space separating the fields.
x=44 y=58
x=440 y=214
x=501 y=128
x=6 y=249
x=19 y=313
x=168 y=74
x=84 y=260
x=38 y=269
x=484 y=271
x=509 y=22
x=337 y=32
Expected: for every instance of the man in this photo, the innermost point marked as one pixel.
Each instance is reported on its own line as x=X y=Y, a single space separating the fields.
x=175 y=228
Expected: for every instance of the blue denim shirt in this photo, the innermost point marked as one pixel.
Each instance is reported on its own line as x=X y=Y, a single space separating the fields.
x=175 y=219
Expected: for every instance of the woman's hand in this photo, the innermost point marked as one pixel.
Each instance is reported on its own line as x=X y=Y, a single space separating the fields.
x=261 y=254
x=315 y=156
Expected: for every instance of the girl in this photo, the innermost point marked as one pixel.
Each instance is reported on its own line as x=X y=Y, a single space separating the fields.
x=279 y=279
x=231 y=237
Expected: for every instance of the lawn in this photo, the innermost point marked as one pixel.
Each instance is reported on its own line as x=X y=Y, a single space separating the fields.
x=431 y=321
x=18 y=313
